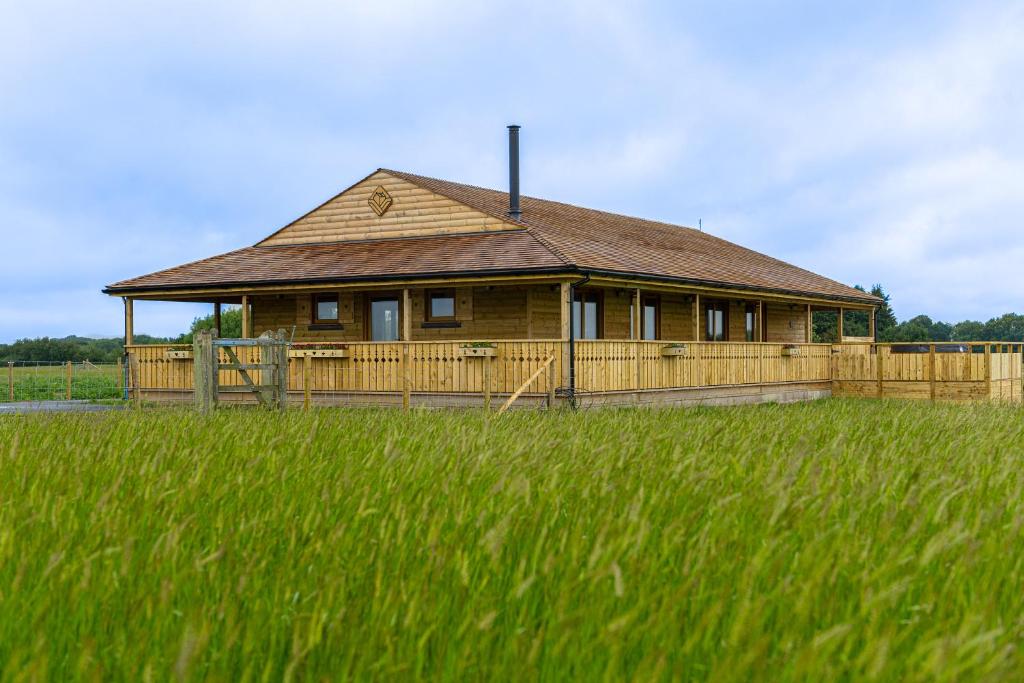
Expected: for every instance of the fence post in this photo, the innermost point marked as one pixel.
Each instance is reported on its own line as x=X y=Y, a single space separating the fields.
x=120 y=372
x=552 y=381
x=135 y=378
x=878 y=361
x=988 y=371
x=307 y=373
x=931 y=371
x=203 y=369
x=67 y=384
x=281 y=360
x=487 y=382
x=10 y=381
x=406 y=383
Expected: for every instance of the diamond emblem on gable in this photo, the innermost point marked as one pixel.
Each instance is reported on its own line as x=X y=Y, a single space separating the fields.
x=380 y=201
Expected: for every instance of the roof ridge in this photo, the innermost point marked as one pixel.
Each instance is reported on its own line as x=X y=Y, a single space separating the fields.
x=524 y=220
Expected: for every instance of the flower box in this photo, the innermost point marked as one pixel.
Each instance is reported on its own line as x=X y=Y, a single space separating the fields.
x=318 y=353
x=178 y=354
x=674 y=350
x=478 y=351
x=791 y=351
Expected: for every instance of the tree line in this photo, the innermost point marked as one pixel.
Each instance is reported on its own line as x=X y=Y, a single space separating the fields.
x=108 y=350
x=920 y=328
x=1007 y=327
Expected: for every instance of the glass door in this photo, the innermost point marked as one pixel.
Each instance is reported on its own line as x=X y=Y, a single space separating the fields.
x=383 y=315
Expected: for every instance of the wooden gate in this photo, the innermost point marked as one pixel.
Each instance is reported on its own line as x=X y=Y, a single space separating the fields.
x=264 y=372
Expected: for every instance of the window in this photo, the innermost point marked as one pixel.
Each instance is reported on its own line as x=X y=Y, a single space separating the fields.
x=716 y=321
x=383 y=315
x=651 y=318
x=325 y=309
x=440 y=305
x=586 y=314
x=750 y=322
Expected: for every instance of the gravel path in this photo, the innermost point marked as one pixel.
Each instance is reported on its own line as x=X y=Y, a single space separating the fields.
x=55 y=407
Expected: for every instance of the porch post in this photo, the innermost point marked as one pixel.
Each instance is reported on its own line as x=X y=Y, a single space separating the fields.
x=216 y=320
x=696 y=317
x=565 y=327
x=245 y=316
x=638 y=325
x=760 y=320
x=405 y=317
x=129 y=321
x=871 y=324
x=809 y=325
x=840 y=326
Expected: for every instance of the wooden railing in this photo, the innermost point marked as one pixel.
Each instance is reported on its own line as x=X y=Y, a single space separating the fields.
x=943 y=370
x=372 y=367
x=638 y=365
x=969 y=371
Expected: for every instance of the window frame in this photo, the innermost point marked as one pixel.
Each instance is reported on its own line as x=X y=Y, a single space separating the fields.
x=750 y=322
x=445 y=292
x=655 y=301
x=583 y=296
x=368 y=314
x=716 y=305
x=315 y=318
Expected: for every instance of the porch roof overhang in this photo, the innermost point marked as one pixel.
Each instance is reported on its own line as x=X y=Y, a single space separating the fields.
x=233 y=291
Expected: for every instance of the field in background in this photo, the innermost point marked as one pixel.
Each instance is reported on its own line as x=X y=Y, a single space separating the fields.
x=833 y=540
x=45 y=381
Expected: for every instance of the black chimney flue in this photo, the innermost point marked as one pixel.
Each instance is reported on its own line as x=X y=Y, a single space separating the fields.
x=513 y=172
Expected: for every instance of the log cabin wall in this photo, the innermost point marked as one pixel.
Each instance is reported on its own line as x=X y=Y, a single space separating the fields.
x=516 y=312
x=483 y=313
x=676 y=317
x=787 y=323
x=675 y=314
x=271 y=313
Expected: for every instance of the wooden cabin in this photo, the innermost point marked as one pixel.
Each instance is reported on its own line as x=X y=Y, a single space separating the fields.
x=400 y=274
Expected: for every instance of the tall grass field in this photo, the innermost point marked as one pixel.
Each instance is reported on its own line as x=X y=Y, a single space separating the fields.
x=836 y=540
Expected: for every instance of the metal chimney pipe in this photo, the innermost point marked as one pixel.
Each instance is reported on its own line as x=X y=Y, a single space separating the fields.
x=513 y=172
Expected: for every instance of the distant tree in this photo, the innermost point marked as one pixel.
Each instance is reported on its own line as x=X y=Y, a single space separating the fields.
x=918 y=329
x=969 y=330
x=230 y=323
x=75 y=349
x=824 y=326
x=1007 y=327
x=885 y=319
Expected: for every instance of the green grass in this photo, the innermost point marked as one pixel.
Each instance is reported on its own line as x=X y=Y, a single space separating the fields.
x=839 y=540
x=49 y=383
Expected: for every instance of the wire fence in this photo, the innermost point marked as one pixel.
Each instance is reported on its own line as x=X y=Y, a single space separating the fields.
x=62 y=381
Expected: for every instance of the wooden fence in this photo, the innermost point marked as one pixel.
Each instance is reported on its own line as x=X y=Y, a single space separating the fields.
x=955 y=371
x=639 y=365
x=952 y=371
x=373 y=367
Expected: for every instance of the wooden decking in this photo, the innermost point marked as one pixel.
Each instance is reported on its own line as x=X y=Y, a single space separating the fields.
x=447 y=373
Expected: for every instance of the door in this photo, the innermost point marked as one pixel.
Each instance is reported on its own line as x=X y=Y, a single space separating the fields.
x=383 y=318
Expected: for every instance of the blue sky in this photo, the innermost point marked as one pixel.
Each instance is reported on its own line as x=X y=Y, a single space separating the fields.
x=870 y=142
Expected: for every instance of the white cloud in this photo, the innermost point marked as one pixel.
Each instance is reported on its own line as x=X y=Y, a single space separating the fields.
x=134 y=138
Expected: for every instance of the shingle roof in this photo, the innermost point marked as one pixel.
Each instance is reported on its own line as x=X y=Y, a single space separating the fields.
x=406 y=257
x=598 y=240
x=558 y=237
